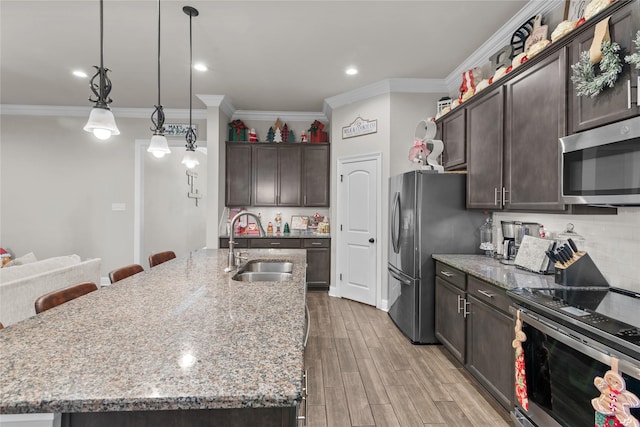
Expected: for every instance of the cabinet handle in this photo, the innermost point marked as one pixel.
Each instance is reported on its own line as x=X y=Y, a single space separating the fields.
x=629 y=94
x=446 y=273
x=275 y=243
x=316 y=243
x=504 y=196
x=496 y=200
x=638 y=90
x=459 y=305
x=305 y=200
x=465 y=312
x=485 y=293
x=305 y=392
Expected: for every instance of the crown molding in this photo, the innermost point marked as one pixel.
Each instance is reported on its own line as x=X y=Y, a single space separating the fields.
x=387 y=86
x=289 y=116
x=75 y=111
x=501 y=38
x=218 y=101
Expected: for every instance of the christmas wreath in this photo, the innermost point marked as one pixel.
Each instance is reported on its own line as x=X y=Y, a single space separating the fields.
x=584 y=76
x=634 y=59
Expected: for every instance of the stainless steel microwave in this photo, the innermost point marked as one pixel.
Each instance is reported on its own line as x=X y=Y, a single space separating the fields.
x=602 y=166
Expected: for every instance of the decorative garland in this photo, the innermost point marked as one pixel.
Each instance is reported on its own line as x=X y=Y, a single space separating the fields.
x=635 y=58
x=584 y=77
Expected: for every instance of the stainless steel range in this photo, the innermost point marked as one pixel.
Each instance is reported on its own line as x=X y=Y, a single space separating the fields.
x=574 y=334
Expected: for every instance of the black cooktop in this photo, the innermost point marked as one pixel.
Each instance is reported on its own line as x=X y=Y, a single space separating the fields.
x=611 y=313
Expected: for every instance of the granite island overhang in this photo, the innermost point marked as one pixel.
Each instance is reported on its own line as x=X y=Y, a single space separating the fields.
x=181 y=337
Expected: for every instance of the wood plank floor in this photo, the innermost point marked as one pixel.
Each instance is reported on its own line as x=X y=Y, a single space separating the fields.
x=363 y=372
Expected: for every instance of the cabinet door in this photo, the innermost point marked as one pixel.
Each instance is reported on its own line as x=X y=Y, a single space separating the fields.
x=615 y=103
x=318 y=263
x=289 y=176
x=484 y=164
x=490 y=357
x=237 y=175
x=315 y=175
x=265 y=175
x=450 y=321
x=455 y=140
x=534 y=121
x=276 y=243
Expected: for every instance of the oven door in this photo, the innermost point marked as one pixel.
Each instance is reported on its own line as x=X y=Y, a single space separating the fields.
x=560 y=366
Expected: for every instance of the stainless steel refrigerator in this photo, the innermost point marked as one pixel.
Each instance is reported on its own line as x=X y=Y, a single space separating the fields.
x=427 y=216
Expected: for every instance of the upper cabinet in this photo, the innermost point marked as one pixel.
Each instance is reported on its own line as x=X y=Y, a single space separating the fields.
x=454 y=133
x=620 y=101
x=269 y=174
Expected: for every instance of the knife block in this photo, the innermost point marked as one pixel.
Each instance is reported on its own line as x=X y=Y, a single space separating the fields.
x=580 y=272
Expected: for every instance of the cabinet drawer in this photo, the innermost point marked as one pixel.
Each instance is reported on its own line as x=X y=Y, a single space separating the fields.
x=316 y=243
x=488 y=293
x=240 y=243
x=276 y=243
x=451 y=275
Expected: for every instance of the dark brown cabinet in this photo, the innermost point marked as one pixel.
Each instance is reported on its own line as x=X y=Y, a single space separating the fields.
x=535 y=119
x=318 y=263
x=490 y=357
x=237 y=175
x=484 y=168
x=315 y=180
x=276 y=171
x=473 y=323
x=318 y=255
x=612 y=104
x=455 y=140
x=267 y=174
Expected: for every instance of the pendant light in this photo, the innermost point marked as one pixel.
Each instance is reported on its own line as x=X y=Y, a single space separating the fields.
x=190 y=160
x=159 y=145
x=101 y=121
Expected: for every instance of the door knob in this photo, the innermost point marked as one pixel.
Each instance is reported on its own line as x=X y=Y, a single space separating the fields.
x=371 y=240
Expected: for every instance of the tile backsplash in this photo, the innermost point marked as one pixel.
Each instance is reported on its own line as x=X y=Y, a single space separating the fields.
x=612 y=241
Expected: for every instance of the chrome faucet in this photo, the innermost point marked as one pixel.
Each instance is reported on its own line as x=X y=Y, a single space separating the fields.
x=232 y=243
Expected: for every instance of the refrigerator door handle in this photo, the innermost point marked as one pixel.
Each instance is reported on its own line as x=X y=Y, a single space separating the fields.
x=395 y=223
x=399 y=278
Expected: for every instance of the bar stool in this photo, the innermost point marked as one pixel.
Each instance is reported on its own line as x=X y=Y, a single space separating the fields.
x=124 y=272
x=55 y=298
x=161 y=257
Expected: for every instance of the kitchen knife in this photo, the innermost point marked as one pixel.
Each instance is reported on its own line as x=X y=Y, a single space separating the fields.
x=572 y=244
x=551 y=256
x=566 y=251
x=563 y=258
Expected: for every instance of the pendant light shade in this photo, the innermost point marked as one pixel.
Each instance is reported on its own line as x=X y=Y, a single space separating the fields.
x=190 y=160
x=159 y=145
x=101 y=121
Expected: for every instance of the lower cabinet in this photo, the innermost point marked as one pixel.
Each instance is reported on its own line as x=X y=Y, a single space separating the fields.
x=473 y=323
x=318 y=255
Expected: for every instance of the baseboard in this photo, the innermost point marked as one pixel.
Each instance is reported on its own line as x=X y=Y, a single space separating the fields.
x=384 y=305
x=333 y=292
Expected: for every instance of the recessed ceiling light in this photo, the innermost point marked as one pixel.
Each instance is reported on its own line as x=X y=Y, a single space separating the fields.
x=352 y=71
x=200 y=67
x=79 y=73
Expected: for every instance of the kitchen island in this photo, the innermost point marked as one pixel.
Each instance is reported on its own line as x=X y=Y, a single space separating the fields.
x=179 y=344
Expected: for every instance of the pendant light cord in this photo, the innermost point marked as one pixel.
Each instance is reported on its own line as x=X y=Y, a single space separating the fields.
x=159 y=53
x=101 y=37
x=190 y=67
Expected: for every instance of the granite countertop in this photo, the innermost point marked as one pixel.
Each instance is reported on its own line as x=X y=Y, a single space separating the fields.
x=501 y=275
x=182 y=335
x=294 y=234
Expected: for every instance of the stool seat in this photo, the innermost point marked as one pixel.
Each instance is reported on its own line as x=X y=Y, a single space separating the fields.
x=124 y=272
x=60 y=296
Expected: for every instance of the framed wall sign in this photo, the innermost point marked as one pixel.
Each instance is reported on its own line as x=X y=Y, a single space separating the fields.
x=174 y=129
x=574 y=9
x=359 y=127
x=299 y=222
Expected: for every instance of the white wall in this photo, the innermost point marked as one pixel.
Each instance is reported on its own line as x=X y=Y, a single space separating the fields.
x=612 y=241
x=58 y=184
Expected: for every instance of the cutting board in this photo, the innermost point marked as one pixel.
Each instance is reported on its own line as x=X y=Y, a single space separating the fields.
x=531 y=254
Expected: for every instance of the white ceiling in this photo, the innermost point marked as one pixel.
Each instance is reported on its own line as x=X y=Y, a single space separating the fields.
x=263 y=55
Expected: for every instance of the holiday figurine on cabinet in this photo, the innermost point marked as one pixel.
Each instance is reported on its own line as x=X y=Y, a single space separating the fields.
x=303 y=137
x=253 y=136
x=278 y=220
x=316 y=132
x=237 y=131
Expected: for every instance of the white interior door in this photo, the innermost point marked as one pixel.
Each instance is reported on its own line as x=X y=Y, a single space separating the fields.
x=358 y=211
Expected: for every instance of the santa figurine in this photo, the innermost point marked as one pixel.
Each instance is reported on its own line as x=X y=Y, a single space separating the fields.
x=303 y=137
x=253 y=137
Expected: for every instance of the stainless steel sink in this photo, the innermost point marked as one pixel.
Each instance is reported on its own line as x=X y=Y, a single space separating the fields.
x=264 y=271
x=261 y=276
x=268 y=266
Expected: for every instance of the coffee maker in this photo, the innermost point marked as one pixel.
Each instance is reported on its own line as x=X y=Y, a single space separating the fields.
x=510 y=231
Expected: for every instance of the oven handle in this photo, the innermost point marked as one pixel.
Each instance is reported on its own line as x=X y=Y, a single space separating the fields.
x=577 y=341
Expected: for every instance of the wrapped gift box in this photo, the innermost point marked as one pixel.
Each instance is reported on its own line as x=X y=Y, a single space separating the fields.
x=316 y=134
x=237 y=131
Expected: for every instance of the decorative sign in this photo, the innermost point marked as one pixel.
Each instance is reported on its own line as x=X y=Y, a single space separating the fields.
x=360 y=127
x=193 y=194
x=173 y=129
